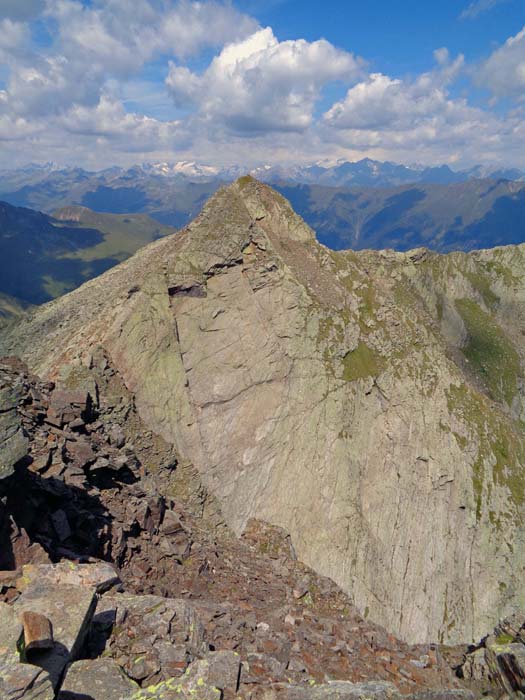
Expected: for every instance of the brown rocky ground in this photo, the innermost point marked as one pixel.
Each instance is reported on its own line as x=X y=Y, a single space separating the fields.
x=183 y=598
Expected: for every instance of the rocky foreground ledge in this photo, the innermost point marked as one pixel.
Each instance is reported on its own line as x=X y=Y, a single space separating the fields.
x=121 y=583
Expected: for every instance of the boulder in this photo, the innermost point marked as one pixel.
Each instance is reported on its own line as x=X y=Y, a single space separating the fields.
x=100 y=575
x=153 y=638
x=13 y=443
x=69 y=609
x=220 y=669
x=68 y=406
x=98 y=679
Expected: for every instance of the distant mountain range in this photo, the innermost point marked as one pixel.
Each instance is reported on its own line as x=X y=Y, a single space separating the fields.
x=174 y=193
x=463 y=216
x=172 y=200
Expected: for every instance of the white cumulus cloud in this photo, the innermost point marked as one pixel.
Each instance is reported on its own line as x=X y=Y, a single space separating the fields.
x=504 y=71
x=260 y=84
x=94 y=91
x=110 y=122
x=381 y=102
x=419 y=120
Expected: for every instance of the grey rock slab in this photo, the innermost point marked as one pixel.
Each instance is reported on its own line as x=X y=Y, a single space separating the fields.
x=13 y=443
x=220 y=669
x=98 y=679
x=69 y=609
x=100 y=575
x=191 y=685
x=10 y=632
x=20 y=681
x=338 y=690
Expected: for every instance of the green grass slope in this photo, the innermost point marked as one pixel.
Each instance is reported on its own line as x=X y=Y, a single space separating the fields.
x=42 y=257
x=123 y=234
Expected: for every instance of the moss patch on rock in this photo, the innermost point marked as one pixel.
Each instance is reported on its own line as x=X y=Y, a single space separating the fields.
x=361 y=363
x=500 y=460
x=490 y=353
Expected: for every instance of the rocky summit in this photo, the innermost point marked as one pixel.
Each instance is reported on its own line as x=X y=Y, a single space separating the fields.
x=368 y=404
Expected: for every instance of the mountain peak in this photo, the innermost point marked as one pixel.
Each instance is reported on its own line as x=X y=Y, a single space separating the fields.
x=266 y=204
x=237 y=214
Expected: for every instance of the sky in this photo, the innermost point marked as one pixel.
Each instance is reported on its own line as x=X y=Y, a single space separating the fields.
x=95 y=83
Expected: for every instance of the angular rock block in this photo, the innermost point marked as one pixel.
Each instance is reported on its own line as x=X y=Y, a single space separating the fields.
x=101 y=576
x=220 y=669
x=69 y=609
x=38 y=633
x=13 y=443
x=156 y=638
x=24 y=682
x=99 y=679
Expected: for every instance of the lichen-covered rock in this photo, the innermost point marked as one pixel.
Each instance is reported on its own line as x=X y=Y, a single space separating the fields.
x=98 y=679
x=338 y=690
x=70 y=610
x=153 y=638
x=371 y=403
x=24 y=682
x=99 y=575
x=191 y=685
x=220 y=669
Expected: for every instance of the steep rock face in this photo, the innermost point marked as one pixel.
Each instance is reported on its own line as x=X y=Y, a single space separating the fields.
x=369 y=403
x=13 y=443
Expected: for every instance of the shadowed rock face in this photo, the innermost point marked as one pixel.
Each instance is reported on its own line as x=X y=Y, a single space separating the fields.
x=13 y=443
x=369 y=403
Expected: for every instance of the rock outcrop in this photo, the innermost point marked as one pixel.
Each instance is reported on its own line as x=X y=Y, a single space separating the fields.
x=13 y=443
x=358 y=400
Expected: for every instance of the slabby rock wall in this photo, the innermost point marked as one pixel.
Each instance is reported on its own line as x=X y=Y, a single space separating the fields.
x=352 y=399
